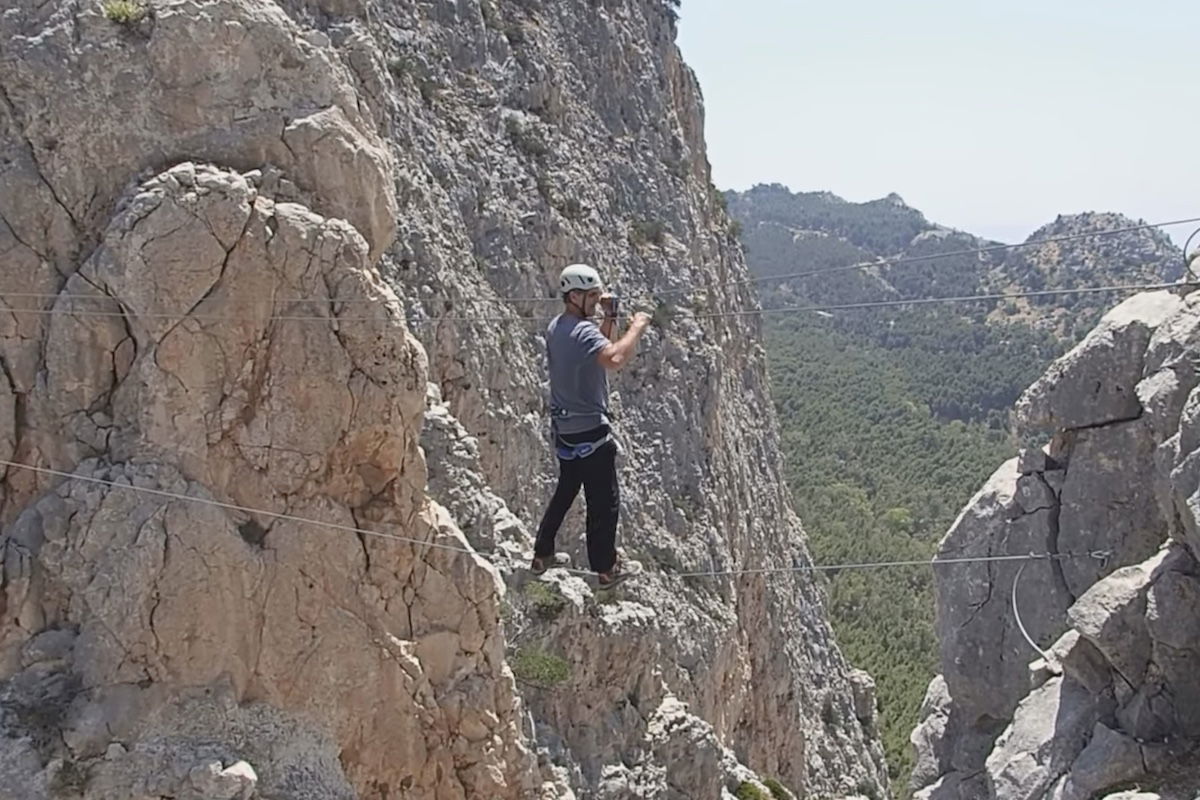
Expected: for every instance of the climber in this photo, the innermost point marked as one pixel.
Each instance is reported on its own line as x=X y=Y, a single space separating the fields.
x=579 y=352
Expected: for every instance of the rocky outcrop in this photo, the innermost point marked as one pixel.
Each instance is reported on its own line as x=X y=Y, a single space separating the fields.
x=156 y=622
x=289 y=443
x=1113 y=699
x=541 y=133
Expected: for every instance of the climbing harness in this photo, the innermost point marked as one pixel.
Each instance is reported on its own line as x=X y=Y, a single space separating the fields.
x=568 y=451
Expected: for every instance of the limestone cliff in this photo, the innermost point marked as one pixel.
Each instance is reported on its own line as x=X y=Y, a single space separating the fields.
x=1115 y=701
x=257 y=263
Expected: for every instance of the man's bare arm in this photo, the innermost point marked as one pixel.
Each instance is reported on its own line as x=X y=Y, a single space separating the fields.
x=616 y=354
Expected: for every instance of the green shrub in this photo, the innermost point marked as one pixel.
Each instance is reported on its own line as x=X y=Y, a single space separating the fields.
x=525 y=138
x=428 y=90
x=536 y=666
x=401 y=66
x=718 y=198
x=544 y=600
x=676 y=166
x=515 y=33
x=867 y=789
x=125 y=12
x=645 y=231
x=572 y=208
x=748 y=791
x=607 y=597
x=777 y=790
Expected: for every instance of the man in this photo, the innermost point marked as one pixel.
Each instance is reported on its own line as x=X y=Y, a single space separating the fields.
x=579 y=354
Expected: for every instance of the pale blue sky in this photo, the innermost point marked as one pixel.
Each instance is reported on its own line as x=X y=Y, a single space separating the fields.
x=990 y=117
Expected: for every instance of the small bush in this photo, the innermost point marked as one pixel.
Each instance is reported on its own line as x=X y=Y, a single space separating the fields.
x=718 y=198
x=735 y=229
x=748 y=791
x=124 y=12
x=515 y=34
x=647 y=232
x=607 y=598
x=777 y=790
x=544 y=600
x=572 y=208
x=867 y=789
x=408 y=67
x=662 y=314
x=399 y=67
x=428 y=90
x=676 y=167
x=525 y=138
x=537 y=667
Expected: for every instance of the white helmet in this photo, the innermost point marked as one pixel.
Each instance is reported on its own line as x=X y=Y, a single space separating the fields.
x=579 y=276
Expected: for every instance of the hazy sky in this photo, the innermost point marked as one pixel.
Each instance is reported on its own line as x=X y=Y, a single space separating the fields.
x=990 y=117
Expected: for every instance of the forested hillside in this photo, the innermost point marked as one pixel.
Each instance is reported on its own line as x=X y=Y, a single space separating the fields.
x=891 y=417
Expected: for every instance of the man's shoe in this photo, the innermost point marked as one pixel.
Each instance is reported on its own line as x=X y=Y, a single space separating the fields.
x=542 y=563
x=621 y=570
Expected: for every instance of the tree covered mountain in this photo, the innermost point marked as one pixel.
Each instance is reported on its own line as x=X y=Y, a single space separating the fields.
x=892 y=416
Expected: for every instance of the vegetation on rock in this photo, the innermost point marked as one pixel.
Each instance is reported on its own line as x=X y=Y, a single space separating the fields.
x=892 y=417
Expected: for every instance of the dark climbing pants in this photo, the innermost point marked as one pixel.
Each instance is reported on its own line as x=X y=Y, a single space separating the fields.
x=597 y=474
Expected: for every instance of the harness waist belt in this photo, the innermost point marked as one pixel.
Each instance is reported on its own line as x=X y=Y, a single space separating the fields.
x=570 y=452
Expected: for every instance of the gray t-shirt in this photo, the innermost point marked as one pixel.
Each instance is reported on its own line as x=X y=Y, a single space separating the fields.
x=578 y=382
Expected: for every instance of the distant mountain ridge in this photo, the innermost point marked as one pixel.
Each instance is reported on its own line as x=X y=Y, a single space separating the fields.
x=892 y=417
x=787 y=232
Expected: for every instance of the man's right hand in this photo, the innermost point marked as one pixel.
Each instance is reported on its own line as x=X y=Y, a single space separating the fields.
x=617 y=353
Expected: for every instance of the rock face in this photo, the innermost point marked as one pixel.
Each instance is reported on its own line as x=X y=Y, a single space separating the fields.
x=1115 y=699
x=289 y=443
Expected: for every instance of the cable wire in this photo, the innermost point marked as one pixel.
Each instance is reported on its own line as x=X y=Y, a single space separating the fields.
x=494 y=556
x=977 y=251
x=234 y=507
x=1017 y=615
x=887 y=262
x=480 y=319
x=859 y=266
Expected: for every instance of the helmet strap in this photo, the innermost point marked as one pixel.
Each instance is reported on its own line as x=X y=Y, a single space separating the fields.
x=578 y=309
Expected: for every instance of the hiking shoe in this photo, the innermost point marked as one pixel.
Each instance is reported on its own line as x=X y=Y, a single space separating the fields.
x=542 y=563
x=621 y=570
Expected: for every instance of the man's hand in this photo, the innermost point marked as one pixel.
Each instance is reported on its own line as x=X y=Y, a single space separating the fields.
x=615 y=355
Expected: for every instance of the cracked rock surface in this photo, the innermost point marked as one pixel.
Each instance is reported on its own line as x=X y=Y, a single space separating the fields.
x=368 y=663
x=1114 y=702
x=254 y=253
